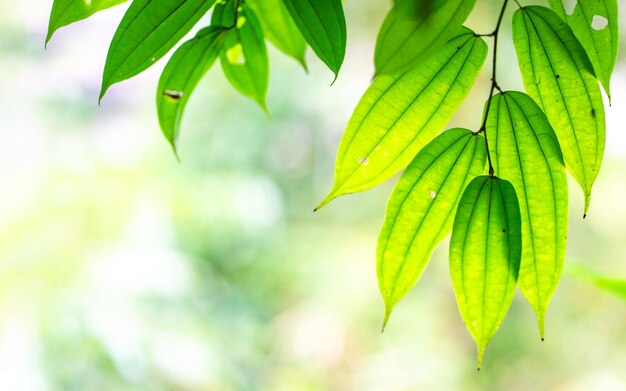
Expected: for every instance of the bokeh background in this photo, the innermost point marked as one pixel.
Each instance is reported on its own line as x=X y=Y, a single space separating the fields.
x=122 y=269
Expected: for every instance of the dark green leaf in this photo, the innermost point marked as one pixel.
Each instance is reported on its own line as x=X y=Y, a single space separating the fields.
x=66 y=12
x=421 y=209
x=397 y=116
x=147 y=32
x=485 y=251
x=323 y=25
x=407 y=40
x=594 y=23
x=244 y=57
x=279 y=28
x=525 y=151
x=557 y=74
x=181 y=75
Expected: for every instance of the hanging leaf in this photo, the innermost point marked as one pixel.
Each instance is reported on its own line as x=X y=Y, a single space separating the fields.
x=279 y=28
x=421 y=209
x=181 y=75
x=323 y=25
x=526 y=152
x=605 y=281
x=557 y=74
x=244 y=57
x=407 y=39
x=65 y=12
x=398 y=116
x=147 y=32
x=594 y=23
x=485 y=251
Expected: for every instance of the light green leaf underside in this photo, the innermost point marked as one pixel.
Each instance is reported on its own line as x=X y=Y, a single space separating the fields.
x=485 y=251
x=558 y=75
x=148 y=30
x=525 y=151
x=244 y=57
x=279 y=28
x=601 y=42
x=610 y=283
x=323 y=26
x=405 y=41
x=421 y=209
x=181 y=76
x=65 y=12
x=397 y=116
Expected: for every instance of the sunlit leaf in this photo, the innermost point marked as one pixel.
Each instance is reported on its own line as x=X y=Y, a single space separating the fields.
x=244 y=57
x=323 y=25
x=66 y=12
x=485 y=251
x=147 y=32
x=279 y=27
x=525 y=151
x=421 y=209
x=397 y=116
x=594 y=23
x=406 y=40
x=181 y=75
x=557 y=74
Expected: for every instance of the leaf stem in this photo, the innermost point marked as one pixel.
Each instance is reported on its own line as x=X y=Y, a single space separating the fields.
x=494 y=83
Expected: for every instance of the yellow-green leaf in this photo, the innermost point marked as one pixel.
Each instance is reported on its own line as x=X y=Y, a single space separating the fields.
x=397 y=116
x=594 y=23
x=148 y=30
x=421 y=209
x=65 y=12
x=485 y=251
x=525 y=151
x=408 y=38
x=557 y=74
x=181 y=75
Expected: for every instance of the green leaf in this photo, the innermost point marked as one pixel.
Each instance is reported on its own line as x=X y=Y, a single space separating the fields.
x=421 y=209
x=594 y=23
x=406 y=40
x=279 y=28
x=557 y=74
x=181 y=76
x=525 y=151
x=323 y=25
x=601 y=280
x=398 y=116
x=147 y=32
x=65 y=12
x=485 y=251
x=244 y=56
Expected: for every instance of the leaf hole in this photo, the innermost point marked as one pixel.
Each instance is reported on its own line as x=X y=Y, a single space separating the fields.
x=433 y=195
x=174 y=95
x=363 y=161
x=570 y=6
x=599 y=22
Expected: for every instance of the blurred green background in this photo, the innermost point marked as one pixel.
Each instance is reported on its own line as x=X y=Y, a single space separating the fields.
x=121 y=269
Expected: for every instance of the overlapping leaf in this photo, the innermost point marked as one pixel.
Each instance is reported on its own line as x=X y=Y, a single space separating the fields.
x=408 y=38
x=244 y=58
x=485 y=251
x=557 y=74
x=421 y=209
x=279 y=28
x=323 y=25
x=525 y=151
x=147 y=32
x=594 y=23
x=65 y=12
x=397 y=116
x=181 y=75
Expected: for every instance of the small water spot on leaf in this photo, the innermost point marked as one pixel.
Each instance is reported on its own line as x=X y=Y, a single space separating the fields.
x=175 y=95
x=599 y=22
x=363 y=161
x=433 y=195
